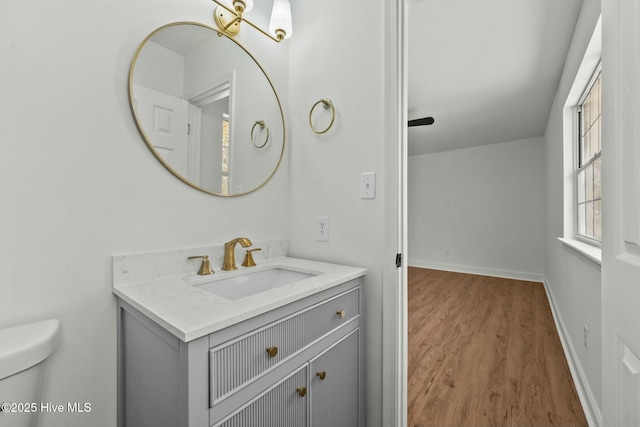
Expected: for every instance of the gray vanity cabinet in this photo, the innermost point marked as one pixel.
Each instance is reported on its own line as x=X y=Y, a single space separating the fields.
x=295 y=366
x=327 y=388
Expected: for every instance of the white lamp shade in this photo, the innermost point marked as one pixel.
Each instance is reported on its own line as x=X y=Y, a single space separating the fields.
x=281 y=18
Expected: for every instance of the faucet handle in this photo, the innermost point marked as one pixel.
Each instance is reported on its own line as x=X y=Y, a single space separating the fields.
x=248 y=259
x=205 y=267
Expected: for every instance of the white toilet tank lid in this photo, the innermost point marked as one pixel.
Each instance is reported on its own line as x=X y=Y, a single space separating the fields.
x=24 y=346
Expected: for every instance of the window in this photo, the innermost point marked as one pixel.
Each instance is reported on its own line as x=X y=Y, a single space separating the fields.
x=589 y=145
x=225 y=154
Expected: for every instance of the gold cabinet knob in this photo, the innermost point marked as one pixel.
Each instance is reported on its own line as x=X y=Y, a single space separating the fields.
x=321 y=374
x=341 y=313
x=302 y=391
x=272 y=351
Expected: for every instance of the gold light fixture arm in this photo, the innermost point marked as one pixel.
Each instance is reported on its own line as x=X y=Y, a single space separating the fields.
x=277 y=40
x=237 y=20
x=225 y=22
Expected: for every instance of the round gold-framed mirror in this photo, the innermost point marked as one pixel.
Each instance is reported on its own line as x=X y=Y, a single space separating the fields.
x=206 y=109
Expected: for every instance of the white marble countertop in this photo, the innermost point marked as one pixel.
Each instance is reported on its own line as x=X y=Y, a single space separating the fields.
x=188 y=312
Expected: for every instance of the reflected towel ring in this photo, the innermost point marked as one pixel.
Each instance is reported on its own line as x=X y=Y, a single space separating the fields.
x=262 y=126
x=326 y=104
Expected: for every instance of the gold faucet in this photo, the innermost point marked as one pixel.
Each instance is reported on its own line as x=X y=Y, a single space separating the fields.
x=229 y=262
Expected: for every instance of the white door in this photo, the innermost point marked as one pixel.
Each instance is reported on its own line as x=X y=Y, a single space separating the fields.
x=621 y=213
x=164 y=119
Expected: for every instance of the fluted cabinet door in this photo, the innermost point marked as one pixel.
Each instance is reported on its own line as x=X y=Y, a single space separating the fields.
x=284 y=405
x=334 y=384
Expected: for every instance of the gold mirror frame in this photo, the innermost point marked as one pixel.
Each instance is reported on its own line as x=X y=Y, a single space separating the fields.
x=147 y=139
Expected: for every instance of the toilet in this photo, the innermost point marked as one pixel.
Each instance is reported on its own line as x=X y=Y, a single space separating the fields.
x=24 y=350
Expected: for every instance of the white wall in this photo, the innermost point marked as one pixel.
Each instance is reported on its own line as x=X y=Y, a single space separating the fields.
x=160 y=69
x=78 y=184
x=325 y=169
x=479 y=210
x=573 y=281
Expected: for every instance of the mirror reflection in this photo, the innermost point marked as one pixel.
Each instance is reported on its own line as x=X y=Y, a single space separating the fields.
x=206 y=109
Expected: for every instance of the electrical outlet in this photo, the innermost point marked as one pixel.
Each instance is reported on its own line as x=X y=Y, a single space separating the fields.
x=322 y=229
x=586 y=337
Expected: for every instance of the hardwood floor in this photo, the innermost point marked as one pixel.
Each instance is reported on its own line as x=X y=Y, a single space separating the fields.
x=484 y=351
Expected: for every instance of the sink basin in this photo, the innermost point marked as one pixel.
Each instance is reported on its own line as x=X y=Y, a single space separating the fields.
x=244 y=285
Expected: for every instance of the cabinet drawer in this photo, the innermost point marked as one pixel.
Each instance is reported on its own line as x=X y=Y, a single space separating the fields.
x=238 y=362
x=284 y=405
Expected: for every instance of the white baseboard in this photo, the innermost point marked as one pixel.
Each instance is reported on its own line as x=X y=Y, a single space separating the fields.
x=482 y=271
x=589 y=404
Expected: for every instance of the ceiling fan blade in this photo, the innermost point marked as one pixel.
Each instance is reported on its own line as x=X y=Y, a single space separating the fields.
x=421 y=122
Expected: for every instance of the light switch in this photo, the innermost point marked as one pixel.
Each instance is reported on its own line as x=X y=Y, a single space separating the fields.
x=368 y=186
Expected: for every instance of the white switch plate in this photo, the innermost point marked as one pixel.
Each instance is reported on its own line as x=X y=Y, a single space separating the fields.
x=368 y=186
x=322 y=228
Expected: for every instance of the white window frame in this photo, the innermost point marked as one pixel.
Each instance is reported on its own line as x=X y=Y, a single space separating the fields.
x=584 y=74
x=577 y=156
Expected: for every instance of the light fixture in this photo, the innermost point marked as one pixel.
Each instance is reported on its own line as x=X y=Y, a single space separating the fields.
x=280 y=24
x=230 y=14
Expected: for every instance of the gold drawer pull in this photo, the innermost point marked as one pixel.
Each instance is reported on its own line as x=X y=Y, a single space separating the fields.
x=321 y=374
x=302 y=391
x=272 y=351
x=341 y=313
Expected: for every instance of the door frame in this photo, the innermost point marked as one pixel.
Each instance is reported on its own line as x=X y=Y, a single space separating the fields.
x=394 y=279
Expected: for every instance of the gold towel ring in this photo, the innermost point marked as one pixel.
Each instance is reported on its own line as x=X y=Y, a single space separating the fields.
x=326 y=103
x=262 y=126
